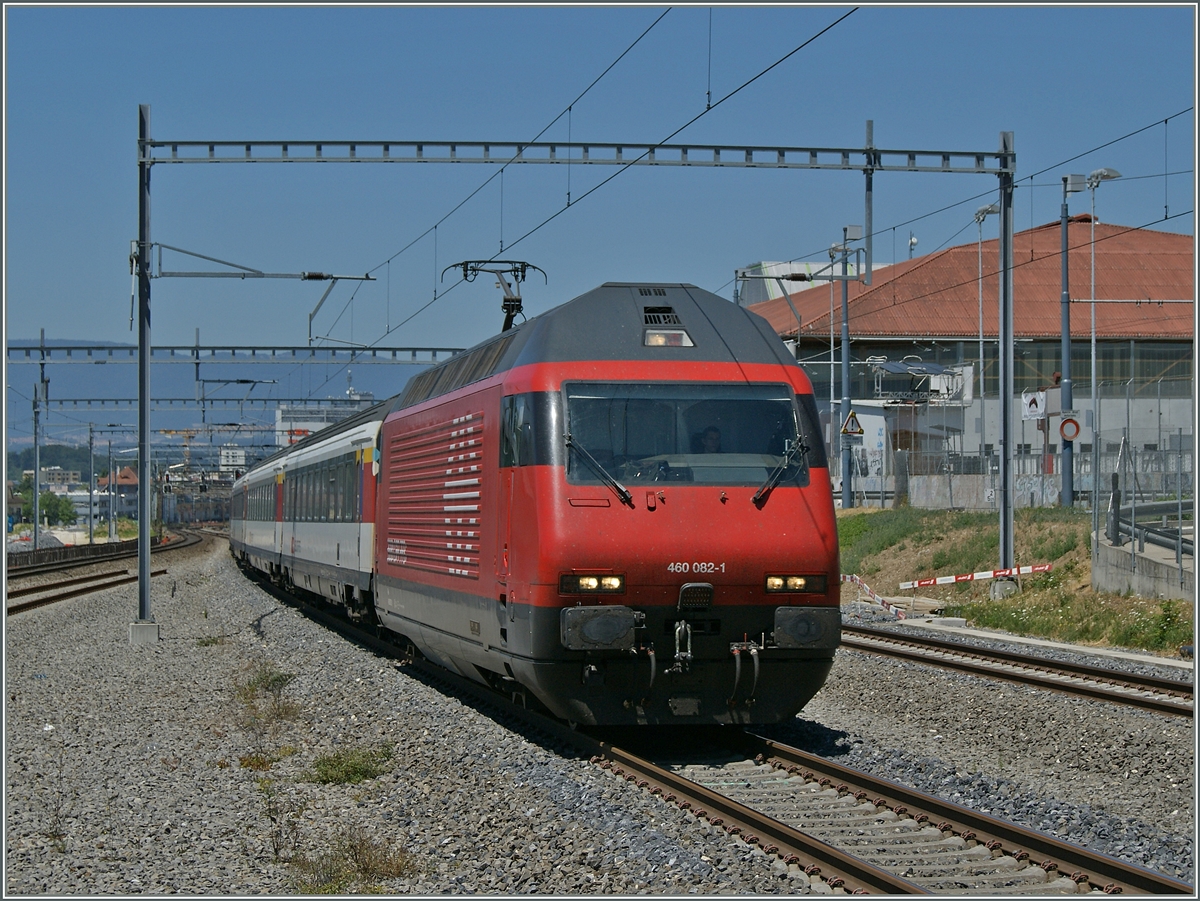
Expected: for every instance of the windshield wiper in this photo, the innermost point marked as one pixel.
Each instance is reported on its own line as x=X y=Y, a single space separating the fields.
x=798 y=447
x=604 y=475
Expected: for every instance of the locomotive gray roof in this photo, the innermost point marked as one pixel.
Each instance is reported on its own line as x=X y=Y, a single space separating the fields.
x=609 y=323
x=606 y=323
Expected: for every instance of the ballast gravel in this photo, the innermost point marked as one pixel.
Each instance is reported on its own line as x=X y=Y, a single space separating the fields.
x=131 y=769
x=153 y=770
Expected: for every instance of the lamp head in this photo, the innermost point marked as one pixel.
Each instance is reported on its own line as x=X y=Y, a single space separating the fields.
x=984 y=211
x=1094 y=178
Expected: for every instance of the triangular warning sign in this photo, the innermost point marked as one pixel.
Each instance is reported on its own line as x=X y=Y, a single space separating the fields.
x=851 y=426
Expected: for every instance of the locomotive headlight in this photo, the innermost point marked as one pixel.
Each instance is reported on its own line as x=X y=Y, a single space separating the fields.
x=800 y=584
x=597 y=584
x=667 y=337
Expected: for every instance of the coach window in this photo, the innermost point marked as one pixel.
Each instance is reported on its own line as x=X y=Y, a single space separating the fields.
x=305 y=504
x=339 y=485
x=307 y=494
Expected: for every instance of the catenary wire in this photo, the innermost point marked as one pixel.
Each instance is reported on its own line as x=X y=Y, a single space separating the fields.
x=538 y=135
x=1028 y=178
x=693 y=120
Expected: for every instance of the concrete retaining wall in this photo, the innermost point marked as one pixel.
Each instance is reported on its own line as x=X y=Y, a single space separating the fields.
x=962 y=492
x=1154 y=573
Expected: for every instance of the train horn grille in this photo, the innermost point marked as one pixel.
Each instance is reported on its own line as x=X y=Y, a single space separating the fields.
x=660 y=316
x=695 y=596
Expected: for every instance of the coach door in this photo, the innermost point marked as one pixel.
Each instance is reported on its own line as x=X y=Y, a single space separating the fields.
x=279 y=485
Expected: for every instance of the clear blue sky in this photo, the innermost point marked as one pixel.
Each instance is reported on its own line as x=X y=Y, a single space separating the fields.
x=1065 y=80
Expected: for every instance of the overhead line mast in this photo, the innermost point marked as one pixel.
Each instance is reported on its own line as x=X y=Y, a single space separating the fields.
x=868 y=159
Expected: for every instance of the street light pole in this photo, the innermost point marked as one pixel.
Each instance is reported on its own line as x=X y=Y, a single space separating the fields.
x=980 y=214
x=849 y=233
x=1093 y=180
x=1071 y=184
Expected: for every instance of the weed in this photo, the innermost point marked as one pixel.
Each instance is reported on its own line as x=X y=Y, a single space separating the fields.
x=265 y=679
x=264 y=709
x=56 y=829
x=285 y=819
x=257 y=762
x=350 y=766
x=354 y=859
x=210 y=641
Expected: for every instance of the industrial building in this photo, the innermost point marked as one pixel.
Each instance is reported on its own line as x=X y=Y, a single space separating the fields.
x=925 y=331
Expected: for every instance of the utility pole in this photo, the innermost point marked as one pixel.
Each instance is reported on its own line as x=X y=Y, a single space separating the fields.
x=1007 y=165
x=112 y=520
x=145 y=630
x=91 y=484
x=847 y=449
x=1071 y=184
x=37 y=464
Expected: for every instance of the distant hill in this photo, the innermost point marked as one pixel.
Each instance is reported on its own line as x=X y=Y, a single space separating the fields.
x=69 y=458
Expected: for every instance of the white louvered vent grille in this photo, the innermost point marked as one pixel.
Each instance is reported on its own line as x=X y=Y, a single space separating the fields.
x=660 y=316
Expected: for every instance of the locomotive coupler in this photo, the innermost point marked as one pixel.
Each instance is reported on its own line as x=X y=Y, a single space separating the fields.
x=737 y=649
x=683 y=647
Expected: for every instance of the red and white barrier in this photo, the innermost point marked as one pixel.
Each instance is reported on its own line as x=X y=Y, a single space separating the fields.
x=882 y=602
x=976 y=577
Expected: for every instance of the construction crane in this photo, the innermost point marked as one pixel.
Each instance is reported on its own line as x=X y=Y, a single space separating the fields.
x=190 y=434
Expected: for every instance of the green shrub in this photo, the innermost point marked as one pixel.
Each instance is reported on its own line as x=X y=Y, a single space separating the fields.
x=352 y=765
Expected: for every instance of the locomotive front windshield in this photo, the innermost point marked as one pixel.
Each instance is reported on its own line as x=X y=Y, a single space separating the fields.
x=712 y=434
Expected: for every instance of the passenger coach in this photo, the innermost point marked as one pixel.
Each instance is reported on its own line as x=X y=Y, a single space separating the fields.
x=306 y=516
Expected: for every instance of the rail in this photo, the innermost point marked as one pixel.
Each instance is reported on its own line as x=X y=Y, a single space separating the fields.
x=1146 y=692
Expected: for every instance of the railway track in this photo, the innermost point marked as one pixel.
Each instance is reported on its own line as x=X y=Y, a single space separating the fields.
x=189 y=539
x=1146 y=692
x=850 y=830
x=64 y=589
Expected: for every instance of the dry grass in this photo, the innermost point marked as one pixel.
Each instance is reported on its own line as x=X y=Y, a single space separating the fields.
x=353 y=863
x=891 y=546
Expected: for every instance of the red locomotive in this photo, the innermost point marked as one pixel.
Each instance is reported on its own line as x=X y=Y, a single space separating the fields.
x=620 y=508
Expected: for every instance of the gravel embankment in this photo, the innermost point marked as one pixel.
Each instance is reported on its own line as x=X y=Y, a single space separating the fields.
x=124 y=776
x=1119 y=780
x=124 y=765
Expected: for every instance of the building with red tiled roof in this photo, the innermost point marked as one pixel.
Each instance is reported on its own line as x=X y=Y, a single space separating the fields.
x=126 y=488
x=929 y=307
x=126 y=477
x=927 y=310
